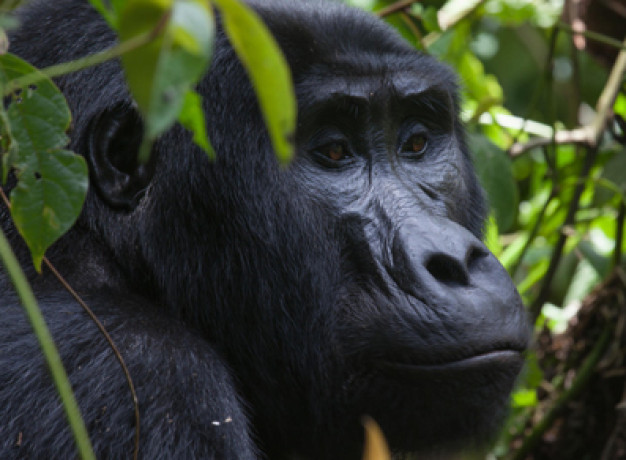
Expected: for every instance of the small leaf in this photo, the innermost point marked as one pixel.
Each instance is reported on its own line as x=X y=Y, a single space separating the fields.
x=494 y=170
x=8 y=146
x=52 y=183
x=48 y=198
x=161 y=73
x=524 y=398
x=109 y=14
x=192 y=117
x=39 y=114
x=375 y=444
x=139 y=17
x=268 y=72
x=430 y=20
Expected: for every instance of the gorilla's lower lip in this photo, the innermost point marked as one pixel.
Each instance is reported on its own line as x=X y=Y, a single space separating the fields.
x=490 y=360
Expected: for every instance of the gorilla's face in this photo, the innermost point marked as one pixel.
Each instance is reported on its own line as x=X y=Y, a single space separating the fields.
x=430 y=328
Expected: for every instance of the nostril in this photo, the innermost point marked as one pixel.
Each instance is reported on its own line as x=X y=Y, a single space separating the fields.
x=447 y=270
x=474 y=256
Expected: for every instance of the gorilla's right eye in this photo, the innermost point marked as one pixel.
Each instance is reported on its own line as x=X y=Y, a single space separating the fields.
x=415 y=145
x=333 y=152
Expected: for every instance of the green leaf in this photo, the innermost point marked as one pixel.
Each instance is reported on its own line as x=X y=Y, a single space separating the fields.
x=137 y=18
x=48 y=198
x=161 y=73
x=52 y=183
x=491 y=236
x=8 y=22
x=268 y=72
x=108 y=13
x=192 y=117
x=8 y=147
x=430 y=20
x=496 y=176
x=39 y=114
x=524 y=398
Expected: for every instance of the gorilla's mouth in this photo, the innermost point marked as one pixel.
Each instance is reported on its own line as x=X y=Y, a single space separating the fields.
x=496 y=359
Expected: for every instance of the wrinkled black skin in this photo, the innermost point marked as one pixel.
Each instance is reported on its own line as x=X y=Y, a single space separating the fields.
x=291 y=301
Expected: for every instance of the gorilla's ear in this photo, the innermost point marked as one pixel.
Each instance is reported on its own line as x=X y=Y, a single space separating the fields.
x=112 y=147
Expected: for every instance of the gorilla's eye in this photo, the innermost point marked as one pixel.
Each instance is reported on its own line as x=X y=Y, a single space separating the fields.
x=334 y=151
x=415 y=145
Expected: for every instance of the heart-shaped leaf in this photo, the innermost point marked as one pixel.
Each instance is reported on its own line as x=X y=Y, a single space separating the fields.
x=52 y=183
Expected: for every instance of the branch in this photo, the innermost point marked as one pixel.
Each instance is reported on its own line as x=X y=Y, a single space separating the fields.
x=588 y=135
x=591 y=35
x=619 y=234
x=395 y=7
x=579 y=383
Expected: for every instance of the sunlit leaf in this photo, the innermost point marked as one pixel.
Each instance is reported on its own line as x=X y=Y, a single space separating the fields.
x=524 y=398
x=162 y=72
x=491 y=236
x=106 y=11
x=192 y=117
x=268 y=72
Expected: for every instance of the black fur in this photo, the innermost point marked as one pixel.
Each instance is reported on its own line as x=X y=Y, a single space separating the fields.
x=262 y=311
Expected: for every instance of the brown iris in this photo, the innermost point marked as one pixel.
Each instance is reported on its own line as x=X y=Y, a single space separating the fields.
x=334 y=151
x=415 y=144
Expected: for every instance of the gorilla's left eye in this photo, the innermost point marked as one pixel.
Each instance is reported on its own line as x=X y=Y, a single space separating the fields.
x=335 y=151
x=415 y=145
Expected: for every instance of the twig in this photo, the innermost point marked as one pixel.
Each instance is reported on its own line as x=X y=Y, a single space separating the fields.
x=619 y=234
x=49 y=349
x=588 y=135
x=103 y=331
x=414 y=29
x=535 y=307
x=88 y=61
x=533 y=233
x=395 y=7
x=595 y=36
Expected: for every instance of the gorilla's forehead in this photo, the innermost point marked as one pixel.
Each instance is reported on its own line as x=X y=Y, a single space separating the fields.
x=387 y=83
x=384 y=92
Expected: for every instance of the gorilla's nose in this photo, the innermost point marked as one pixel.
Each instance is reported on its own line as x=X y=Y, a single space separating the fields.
x=427 y=254
x=454 y=263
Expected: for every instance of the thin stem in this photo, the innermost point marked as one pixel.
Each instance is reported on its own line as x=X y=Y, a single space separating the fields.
x=593 y=36
x=588 y=135
x=557 y=252
x=583 y=376
x=87 y=61
x=533 y=233
x=395 y=7
x=48 y=348
x=103 y=331
x=619 y=234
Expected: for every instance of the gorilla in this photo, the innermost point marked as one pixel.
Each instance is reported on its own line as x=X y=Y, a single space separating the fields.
x=263 y=311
